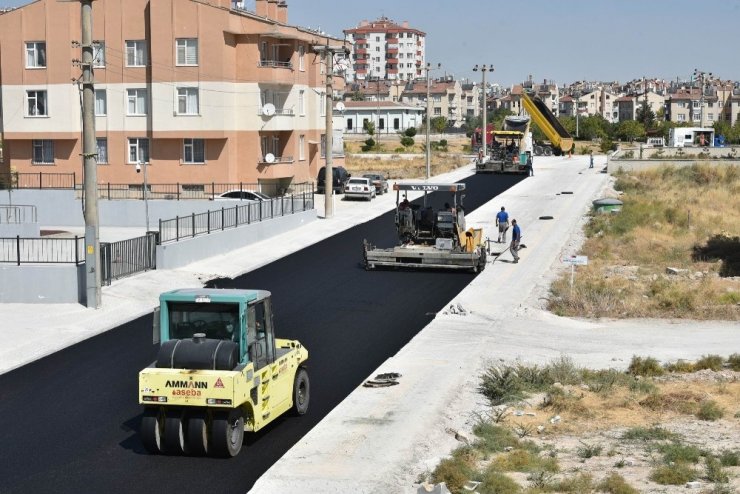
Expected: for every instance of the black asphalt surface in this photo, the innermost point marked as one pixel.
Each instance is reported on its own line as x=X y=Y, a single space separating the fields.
x=69 y=421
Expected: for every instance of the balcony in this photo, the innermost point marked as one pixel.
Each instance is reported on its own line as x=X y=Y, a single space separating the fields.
x=275 y=64
x=276 y=160
x=392 y=60
x=279 y=112
x=391 y=48
x=393 y=40
x=361 y=50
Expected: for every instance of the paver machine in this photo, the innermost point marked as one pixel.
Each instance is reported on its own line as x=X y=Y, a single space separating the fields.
x=220 y=371
x=428 y=237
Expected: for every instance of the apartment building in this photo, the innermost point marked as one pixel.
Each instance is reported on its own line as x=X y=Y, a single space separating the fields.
x=445 y=95
x=202 y=91
x=383 y=49
x=627 y=106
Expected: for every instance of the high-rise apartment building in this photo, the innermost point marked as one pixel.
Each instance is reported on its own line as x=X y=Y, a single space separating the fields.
x=382 y=49
x=203 y=91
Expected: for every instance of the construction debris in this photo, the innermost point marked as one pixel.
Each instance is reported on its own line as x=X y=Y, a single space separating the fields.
x=383 y=380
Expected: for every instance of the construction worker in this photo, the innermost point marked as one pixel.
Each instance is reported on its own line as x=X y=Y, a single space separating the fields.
x=591 y=159
x=516 y=237
x=502 y=222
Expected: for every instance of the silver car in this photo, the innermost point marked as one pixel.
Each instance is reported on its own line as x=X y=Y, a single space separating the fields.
x=360 y=188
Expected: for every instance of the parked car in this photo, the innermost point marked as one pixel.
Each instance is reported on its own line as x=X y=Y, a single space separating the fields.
x=243 y=195
x=379 y=181
x=359 y=188
x=340 y=176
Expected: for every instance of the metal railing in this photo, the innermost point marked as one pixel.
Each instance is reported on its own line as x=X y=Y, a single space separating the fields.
x=277 y=160
x=40 y=180
x=280 y=112
x=17 y=214
x=127 y=257
x=275 y=63
x=42 y=250
x=180 y=191
x=185 y=227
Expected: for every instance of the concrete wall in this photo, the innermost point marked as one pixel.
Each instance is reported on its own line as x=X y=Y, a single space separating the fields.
x=65 y=283
x=61 y=208
x=178 y=254
x=42 y=284
x=640 y=165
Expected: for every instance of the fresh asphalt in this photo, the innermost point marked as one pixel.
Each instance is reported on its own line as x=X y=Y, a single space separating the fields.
x=70 y=419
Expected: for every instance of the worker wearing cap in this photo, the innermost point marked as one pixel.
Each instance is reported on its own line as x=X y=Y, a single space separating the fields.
x=502 y=222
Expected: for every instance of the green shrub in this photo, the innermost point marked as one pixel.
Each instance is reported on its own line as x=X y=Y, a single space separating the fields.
x=493 y=438
x=564 y=371
x=495 y=482
x=615 y=484
x=400 y=150
x=454 y=472
x=712 y=362
x=648 y=434
x=714 y=471
x=520 y=460
x=642 y=386
x=647 y=367
x=679 y=453
x=729 y=458
x=410 y=132
x=677 y=474
x=586 y=451
x=407 y=142
x=583 y=482
x=734 y=361
x=682 y=366
x=709 y=410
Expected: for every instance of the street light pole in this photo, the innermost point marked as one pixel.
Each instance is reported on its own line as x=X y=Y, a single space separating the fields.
x=429 y=117
x=484 y=131
x=143 y=165
x=328 y=53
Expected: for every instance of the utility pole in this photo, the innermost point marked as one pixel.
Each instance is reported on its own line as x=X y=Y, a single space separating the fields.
x=89 y=154
x=328 y=53
x=484 y=132
x=429 y=117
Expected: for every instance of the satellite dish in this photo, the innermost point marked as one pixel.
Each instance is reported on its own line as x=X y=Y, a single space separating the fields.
x=340 y=107
x=268 y=109
x=270 y=158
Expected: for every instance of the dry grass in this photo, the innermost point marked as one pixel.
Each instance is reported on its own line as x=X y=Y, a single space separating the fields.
x=683 y=218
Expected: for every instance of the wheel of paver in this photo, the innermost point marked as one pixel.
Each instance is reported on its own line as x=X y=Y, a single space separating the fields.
x=227 y=433
x=150 y=431
x=301 y=392
x=197 y=434
x=174 y=433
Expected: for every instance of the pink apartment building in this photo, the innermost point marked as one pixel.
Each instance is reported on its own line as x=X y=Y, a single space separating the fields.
x=202 y=90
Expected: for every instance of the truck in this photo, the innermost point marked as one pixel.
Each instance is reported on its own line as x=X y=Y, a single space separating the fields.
x=430 y=238
x=511 y=151
x=219 y=372
x=560 y=139
x=679 y=137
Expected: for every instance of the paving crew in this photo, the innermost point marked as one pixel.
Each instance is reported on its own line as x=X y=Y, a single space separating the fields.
x=516 y=237
x=591 y=160
x=502 y=222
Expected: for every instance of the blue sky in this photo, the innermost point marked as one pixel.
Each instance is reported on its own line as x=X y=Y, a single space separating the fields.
x=563 y=41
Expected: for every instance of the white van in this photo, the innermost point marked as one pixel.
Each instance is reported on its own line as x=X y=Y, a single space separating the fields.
x=691 y=136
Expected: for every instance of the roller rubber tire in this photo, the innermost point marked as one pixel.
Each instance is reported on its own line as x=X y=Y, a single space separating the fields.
x=227 y=433
x=174 y=433
x=150 y=431
x=301 y=392
x=197 y=439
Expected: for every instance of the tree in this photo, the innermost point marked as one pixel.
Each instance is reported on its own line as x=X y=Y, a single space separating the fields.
x=369 y=127
x=629 y=130
x=569 y=123
x=439 y=124
x=358 y=96
x=645 y=115
x=410 y=132
x=593 y=127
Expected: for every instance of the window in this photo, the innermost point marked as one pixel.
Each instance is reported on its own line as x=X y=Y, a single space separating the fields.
x=193 y=151
x=301 y=147
x=43 y=152
x=136 y=101
x=437 y=111
x=102 y=145
x=381 y=124
x=99 y=54
x=187 y=100
x=349 y=124
x=396 y=124
x=695 y=104
x=710 y=116
x=187 y=51
x=681 y=117
x=35 y=55
x=301 y=55
x=36 y=106
x=696 y=117
x=101 y=102
x=301 y=103
x=138 y=150
x=136 y=53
